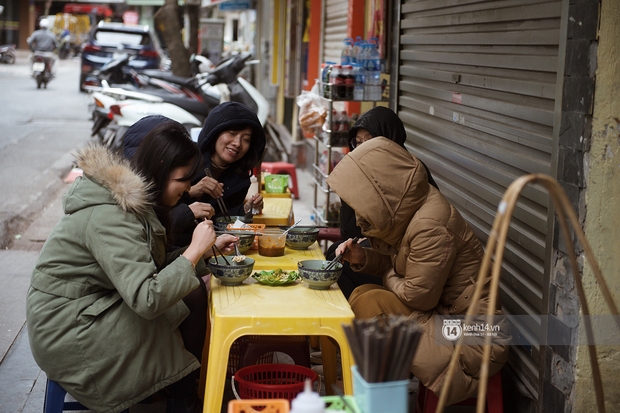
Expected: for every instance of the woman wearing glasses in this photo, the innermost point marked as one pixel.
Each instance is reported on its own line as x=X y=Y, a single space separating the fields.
x=378 y=121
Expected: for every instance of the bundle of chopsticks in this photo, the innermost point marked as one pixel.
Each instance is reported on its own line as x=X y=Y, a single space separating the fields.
x=220 y=201
x=383 y=348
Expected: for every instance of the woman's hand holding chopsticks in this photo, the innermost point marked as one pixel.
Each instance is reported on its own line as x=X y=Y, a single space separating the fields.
x=352 y=251
x=207 y=186
x=203 y=239
x=226 y=244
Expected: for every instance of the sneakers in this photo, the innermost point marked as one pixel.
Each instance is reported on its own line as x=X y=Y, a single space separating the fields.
x=318 y=369
x=316 y=358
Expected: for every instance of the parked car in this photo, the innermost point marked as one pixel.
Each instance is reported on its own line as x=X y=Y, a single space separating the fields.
x=107 y=41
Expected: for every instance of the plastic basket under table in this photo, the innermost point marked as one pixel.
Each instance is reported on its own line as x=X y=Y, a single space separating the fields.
x=272 y=381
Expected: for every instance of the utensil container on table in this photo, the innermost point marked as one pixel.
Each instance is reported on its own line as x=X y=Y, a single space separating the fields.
x=276 y=183
x=272 y=243
x=384 y=397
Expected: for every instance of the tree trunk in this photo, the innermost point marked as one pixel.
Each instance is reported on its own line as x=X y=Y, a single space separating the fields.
x=193 y=12
x=167 y=21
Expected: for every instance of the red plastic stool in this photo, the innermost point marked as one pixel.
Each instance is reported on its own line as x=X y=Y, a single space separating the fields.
x=328 y=234
x=297 y=347
x=428 y=401
x=283 y=168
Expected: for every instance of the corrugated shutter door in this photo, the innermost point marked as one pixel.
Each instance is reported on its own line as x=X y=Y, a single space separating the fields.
x=335 y=31
x=476 y=91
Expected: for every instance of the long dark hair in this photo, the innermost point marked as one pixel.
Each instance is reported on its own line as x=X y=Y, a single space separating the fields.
x=166 y=147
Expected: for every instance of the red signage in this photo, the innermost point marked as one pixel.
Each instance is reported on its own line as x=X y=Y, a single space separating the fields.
x=96 y=9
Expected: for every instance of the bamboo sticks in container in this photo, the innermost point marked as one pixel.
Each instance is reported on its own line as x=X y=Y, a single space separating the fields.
x=383 y=348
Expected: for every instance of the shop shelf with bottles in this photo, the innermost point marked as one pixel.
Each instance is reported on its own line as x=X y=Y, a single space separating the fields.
x=331 y=144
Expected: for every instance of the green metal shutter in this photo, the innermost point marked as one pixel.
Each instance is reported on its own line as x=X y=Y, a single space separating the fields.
x=476 y=89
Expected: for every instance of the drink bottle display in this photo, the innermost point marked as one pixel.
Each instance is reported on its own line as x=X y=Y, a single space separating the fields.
x=337 y=79
x=344 y=122
x=359 y=73
x=357 y=46
x=347 y=53
x=349 y=82
x=326 y=69
x=373 y=72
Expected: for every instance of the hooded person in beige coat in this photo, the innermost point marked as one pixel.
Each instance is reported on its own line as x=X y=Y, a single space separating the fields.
x=425 y=251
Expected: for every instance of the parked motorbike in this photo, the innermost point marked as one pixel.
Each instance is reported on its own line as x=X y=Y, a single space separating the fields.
x=42 y=65
x=64 y=48
x=117 y=74
x=190 y=105
x=7 y=54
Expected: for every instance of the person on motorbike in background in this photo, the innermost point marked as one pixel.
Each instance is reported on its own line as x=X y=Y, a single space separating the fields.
x=43 y=40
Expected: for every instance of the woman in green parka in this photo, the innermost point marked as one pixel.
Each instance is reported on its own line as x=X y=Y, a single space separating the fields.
x=112 y=316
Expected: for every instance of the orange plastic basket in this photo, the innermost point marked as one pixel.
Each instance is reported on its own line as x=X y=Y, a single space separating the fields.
x=263 y=406
x=272 y=381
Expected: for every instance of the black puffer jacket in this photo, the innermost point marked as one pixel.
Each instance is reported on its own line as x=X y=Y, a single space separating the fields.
x=236 y=179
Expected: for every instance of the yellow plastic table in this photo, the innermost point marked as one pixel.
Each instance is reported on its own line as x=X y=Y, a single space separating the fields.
x=276 y=211
x=256 y=309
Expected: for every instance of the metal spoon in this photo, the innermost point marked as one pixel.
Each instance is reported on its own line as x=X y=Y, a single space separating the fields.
x=291 y=227
x=238 y=258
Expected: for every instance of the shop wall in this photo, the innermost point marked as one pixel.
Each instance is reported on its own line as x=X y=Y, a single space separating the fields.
x=602 y=197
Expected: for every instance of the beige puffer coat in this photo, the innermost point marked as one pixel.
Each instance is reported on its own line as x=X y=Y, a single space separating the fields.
x=426 y=252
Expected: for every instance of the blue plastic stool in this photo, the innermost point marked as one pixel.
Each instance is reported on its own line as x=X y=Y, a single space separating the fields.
x=55 y=400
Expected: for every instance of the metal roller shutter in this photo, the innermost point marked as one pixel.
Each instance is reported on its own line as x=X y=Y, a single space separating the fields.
x=477 y=93
x=335 y=30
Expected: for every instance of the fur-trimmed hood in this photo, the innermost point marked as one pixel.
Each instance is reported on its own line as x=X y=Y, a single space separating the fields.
x=108 y=179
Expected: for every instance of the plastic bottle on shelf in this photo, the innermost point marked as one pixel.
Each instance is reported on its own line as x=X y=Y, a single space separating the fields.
x=362 y=53
x=308 y=401
x=336 y=78
x=344 y=122
x=359 y=73
x=349 y=82
x=335 y=121
x=373 y=72
x=325 y=73
x=357 y=46
x=347 y=53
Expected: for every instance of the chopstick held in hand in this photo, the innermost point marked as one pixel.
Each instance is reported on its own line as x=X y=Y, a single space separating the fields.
x=219 y=199
x=339 y=256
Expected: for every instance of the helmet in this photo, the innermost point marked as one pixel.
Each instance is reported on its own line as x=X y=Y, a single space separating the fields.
x=44 y=23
